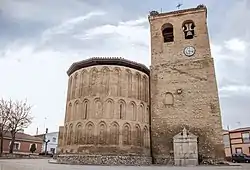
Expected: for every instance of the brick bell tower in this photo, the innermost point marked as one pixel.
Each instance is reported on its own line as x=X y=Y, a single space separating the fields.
x=183 y=84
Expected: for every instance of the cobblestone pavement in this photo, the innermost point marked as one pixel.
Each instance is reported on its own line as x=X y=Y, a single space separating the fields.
x=42 y=164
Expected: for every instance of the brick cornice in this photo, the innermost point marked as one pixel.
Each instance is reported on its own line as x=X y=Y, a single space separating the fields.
x=156 y=15
x=107 y=61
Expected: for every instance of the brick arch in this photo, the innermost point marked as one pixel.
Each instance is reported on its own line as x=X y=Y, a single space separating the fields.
x=147 y=116
x=75 y=85
x=188 y=27
x=145 y=141
x=137 y=135
x=69 y=88
x=133 y=110
x=138 y=85
x=168 y=98
x=89 y=133
x=102 y=133
x=105 y=80
x=70 y=135
x=85 y=109
x=167 y=32
x=117 y=74
x=69 y=112
x=144 y=89
x=93 y=80
x=76 y=110
x=109 y=108
x=65 y=135
x=114 y=133
x=98 y=108
x=78 y=134
x=93 y=72
x=129 y=82
x=141 y=112
x=122 y=109
x=84 y=82
x=126 y=134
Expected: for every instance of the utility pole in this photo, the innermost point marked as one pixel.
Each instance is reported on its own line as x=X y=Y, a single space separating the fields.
x=230 y=143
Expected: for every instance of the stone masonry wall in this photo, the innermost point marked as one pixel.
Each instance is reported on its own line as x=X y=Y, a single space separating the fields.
x=183 y=89
x=60 y=136
x=103 y=160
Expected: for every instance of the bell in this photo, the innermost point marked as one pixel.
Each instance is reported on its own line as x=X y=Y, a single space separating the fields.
x=189 y=33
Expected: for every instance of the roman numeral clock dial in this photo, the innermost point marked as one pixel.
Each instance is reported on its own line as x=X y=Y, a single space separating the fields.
x=189 y=51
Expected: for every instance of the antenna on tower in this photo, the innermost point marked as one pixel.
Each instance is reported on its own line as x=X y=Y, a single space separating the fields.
x=161 y=10
x=37 y=131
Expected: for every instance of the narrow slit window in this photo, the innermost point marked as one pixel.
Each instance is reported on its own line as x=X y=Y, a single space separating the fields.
x=121 y=111
x=86 y=110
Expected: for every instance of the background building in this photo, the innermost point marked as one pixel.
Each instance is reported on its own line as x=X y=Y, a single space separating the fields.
x=52 y=144
x=237 y=141
x=22 y=144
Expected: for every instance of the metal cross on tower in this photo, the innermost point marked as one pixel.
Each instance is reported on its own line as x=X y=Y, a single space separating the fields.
x=179 y=5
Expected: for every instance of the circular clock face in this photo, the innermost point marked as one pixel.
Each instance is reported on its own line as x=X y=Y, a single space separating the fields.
x=189 y=51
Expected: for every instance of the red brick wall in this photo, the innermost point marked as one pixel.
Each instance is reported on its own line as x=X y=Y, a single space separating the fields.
x=24 y=148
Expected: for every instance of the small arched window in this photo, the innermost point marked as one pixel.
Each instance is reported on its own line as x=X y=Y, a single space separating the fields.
x=168 y=32
x=169 y=98
x=85 y=109
x=188 y=29
x=122 y=111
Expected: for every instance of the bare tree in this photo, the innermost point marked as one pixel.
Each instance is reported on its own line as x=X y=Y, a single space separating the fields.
x=20 y=118
x=4 y=121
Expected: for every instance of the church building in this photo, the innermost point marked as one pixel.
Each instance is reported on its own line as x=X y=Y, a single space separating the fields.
x=119 y=112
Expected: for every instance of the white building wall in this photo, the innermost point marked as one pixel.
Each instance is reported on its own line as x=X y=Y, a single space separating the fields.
x=52 y=145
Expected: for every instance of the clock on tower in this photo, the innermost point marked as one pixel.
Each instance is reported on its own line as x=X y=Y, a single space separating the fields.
x=189 y=51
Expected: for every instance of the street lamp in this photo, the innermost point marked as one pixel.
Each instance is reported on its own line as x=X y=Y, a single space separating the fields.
x=46 y=141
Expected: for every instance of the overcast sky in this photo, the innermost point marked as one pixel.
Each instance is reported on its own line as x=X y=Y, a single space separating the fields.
x=40 y=39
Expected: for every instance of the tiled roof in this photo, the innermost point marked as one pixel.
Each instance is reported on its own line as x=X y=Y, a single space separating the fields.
x=107 y=61
x=225 y=131
x=241 y=129
x=41 y=136
x=23 y=136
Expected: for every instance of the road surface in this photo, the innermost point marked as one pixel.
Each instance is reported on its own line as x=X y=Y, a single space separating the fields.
x=42 y=164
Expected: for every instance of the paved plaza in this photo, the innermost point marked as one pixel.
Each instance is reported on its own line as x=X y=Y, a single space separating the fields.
x=42 y=164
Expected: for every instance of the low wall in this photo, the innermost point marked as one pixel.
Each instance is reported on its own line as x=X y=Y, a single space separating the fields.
x=102 y=160
x=21 y=156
